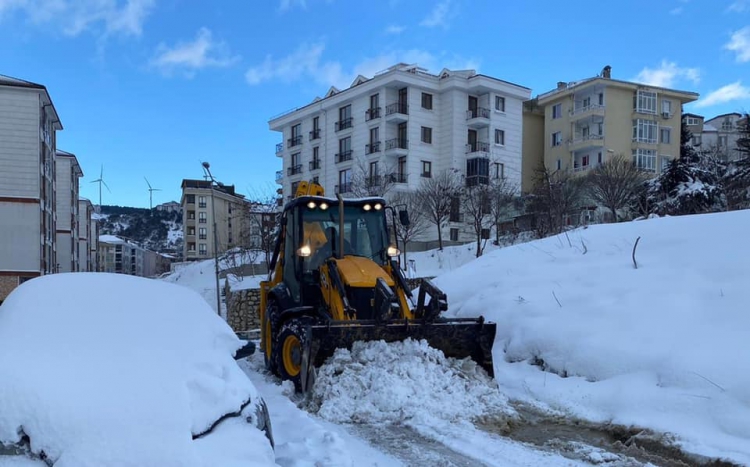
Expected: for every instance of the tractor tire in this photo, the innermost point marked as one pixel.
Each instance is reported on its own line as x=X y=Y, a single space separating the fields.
x=289 y=347
x=270 y=330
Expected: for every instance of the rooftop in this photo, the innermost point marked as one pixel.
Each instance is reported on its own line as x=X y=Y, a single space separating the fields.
x=206 y=184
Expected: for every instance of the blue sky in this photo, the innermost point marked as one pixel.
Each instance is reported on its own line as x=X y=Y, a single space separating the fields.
x=149 y=88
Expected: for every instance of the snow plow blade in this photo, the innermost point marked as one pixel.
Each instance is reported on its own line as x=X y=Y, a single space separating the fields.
x=457 y=338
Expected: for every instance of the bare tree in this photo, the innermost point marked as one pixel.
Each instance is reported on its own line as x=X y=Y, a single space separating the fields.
x=263 y=221
x=503 y=201
x=369 y=180
x=476 y=204
x=615 y=184
x=418 y=222
x=435 y=195
x=555 y=195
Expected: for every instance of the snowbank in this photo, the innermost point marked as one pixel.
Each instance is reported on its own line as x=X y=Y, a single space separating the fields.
x=104 y=369
x=661 y=346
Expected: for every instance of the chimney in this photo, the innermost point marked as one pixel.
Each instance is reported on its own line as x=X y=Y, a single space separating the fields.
x=562 y=85
x=607 y=72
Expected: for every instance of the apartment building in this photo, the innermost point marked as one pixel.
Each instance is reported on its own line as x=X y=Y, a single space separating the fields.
x=86 y=235
x=28 y=126
x=205 y=204
x=169 y=206
x=589 y=121
x=717 y=136
x=401 y=126
x=66 y=180
x=122 y=256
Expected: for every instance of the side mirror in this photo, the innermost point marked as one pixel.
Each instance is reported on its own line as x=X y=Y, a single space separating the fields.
x=403 y=217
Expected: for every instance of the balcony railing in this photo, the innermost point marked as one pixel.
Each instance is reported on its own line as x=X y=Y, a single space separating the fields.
x=279 y=176
x=475 y=180
x=295 y=141
x=372 y=147
x=371 y=114
x=344 y=188
x=397 y=143
x=294 y=170
x=344 y=124
x=585 y=108
x=397 y=108
x=479 y=112
x=315 y=134
x=456 y=216
x=397 y=177
x=479 y=146
x=583 y=138
x=344 y=156
x=279 y=147
x=373 y=181
x=314 y=164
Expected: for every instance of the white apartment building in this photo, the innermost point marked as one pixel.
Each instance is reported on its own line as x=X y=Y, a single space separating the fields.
x=28 y=126
x=86 y=233
x=403 y=125
x=66 y=179
x=718 y=136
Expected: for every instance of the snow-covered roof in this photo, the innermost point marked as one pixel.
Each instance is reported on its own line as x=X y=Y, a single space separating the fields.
x=114 y=239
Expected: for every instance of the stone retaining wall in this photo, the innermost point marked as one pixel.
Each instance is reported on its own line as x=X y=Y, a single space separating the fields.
x=243 y=307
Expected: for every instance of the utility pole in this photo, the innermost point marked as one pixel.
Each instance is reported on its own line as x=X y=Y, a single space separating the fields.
x=207 y=171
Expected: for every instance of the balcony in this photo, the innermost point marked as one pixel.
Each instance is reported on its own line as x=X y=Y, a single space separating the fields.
x=372 y=147
x=477 y=118
x=280 y=149
x=397 y=146
x=314 y=164
x=344 y=156
x=344 y=124
x=478 y=149
x=397 y=178
x=315 y=134
x=397 y=112
x=294 y=141
x=456 y=216
x=344 y=188
x=586 y=141
x=371 y=114
x=373 y=181
x=294 y=170
x=587 y=111
x=279 y=177
x=476 y=180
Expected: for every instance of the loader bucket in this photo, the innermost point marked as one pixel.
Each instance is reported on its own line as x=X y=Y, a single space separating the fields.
x=457 y=338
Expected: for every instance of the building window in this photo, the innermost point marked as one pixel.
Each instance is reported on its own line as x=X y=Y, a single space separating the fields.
x=315 y=162
x=645 y=159
x=316 y=179
x=374 y=110
x=557 y=111
x=202 y=249
x=374 y=169
x=665 y=161
x=500 y=137
x=191 y=246
x=190 y=199
x=665 y=135
x=692 y=121
x=427 y=135
x=645 y=102
x=426 y=101
x=499 y=170
x=201 y=217
x=666 y=108
x=191 y=230
x=696 y=140
x=345 y=181
x=557 y=138
x=345 y=150
x=374 y=145
x=191 y=215
x=296 y=138
x=202 y=235
x=601 y=98
x=294 y=188
x=427 y=169
x=485 y=234
x=559 y=164
x=500 y=103
x=201 y=201
x=315 y=133
x=722 y=141
x=477 y=171
x=727 y=125
x=345 y=118
x=454 y=234
x=599 y=158
x=644 y=131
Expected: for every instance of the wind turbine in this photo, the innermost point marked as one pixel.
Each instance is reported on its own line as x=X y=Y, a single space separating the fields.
x=101 y=182
x=151 y=194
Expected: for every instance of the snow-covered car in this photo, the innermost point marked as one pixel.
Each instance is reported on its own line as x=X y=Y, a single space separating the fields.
x=104 y=369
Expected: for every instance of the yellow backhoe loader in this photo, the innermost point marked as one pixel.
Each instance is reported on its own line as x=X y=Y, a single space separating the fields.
x=333 y=281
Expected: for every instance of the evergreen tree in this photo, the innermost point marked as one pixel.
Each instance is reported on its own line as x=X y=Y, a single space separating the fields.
x=737 y=178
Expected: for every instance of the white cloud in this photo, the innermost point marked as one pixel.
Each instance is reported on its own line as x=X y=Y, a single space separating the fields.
x=76 y=16
x=730 y=92
x=667 y=75
x=394 y=29
x=438 y=16
x=676 y=11
x=740 y=44
x=189 y=57
x=739 y=6
x=307 y=62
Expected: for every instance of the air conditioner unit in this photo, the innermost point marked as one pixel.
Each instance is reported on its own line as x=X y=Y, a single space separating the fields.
x=665 y=115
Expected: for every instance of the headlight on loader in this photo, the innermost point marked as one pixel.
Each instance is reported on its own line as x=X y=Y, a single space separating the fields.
x=304 y=251
x=393 y=251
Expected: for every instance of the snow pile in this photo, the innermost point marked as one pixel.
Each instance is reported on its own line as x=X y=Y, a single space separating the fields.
x=105 y=369
x=659 y=346
x=405 y=382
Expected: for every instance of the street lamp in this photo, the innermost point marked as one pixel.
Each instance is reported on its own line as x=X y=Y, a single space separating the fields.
x=207 y=172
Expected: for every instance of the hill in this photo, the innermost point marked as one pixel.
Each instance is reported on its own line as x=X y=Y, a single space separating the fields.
x=156 y=230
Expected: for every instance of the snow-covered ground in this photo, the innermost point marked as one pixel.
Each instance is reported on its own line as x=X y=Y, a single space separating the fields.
x=663 y=346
